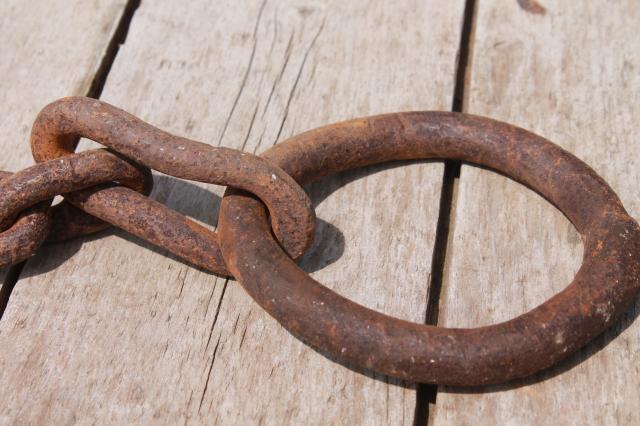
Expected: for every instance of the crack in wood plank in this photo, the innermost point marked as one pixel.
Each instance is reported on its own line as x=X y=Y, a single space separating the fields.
x=297 y=80
x=246 y=74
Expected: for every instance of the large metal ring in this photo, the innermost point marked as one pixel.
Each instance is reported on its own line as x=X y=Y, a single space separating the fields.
x=604 y=287
x=62 y=121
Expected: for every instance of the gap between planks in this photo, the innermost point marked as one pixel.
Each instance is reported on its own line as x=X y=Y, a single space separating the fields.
x=426 y=393
x=95 y=89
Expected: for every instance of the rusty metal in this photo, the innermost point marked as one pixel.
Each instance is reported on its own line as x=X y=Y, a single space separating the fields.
x=605 y=286
x=38 y=184
x=113 y=187
x=153 y=222
x=26 y=234
x=45 y=180
x=59 y=124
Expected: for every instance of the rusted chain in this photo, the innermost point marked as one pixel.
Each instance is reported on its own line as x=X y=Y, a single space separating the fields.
x=45 y=180
x=103 y=184
x=38 y=184
x=153 y=222
x=26 y=234
x=606 y=285
x=61 y=122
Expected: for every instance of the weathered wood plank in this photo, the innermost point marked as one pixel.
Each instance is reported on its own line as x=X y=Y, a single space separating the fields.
x=121 y=333
x=49 y=49
x=571 y=75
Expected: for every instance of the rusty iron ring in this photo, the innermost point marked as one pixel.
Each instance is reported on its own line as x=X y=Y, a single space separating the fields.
x=605 y=286
x=21 y=240
x=62 y=121
x=32 y=189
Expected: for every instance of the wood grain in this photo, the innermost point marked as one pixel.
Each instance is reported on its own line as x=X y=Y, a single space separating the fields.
x=50 y=49
x=571 y=75
x=111 y=331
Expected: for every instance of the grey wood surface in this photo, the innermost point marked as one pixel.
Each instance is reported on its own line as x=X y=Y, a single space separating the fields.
x=571 y=75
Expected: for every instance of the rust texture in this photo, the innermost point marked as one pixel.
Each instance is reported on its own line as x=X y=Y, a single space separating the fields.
x=21 y=240
x=42 y=181
x=38 y=184
x=154 y=222
x=606 y=285
x=112 y=186
x=59 y=124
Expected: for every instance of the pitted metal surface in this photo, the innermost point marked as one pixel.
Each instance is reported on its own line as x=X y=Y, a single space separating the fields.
x=605 y=286
x=112 y=185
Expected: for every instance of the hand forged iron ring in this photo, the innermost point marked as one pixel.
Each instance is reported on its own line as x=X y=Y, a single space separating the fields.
x=60 y=122
x=604 y=287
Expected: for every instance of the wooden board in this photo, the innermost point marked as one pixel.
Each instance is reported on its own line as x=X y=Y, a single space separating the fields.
x=112 y=331
x=571 y=75
x=50 y=49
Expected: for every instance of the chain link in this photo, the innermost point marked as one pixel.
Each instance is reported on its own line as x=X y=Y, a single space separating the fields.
x=88 y=181
x=111 y=186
